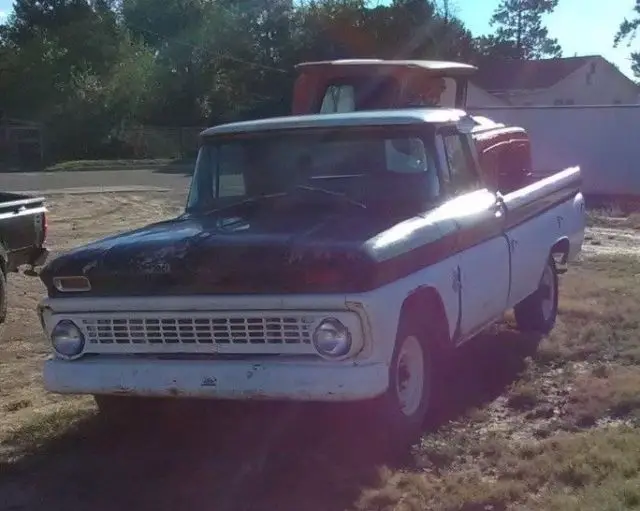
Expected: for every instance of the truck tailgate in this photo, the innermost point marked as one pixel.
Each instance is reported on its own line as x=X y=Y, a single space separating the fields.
x=23 y=228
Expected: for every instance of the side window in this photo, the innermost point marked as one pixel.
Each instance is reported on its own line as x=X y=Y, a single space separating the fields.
x=338 y=98
x=231 y=182
x=512 y=167
x=462 y=176
x=489 y=165
x=409 y=156
x=406 y=155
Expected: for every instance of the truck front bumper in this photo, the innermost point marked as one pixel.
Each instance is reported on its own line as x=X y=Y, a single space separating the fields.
x=226 y=379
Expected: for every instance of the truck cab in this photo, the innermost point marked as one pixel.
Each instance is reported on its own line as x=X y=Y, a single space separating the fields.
x=373 y=84
x=340 y=86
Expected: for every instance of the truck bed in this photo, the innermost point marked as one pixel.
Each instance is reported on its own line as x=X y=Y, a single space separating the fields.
x=23 y=228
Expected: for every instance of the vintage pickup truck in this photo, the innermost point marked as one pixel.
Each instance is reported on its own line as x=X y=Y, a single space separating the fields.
x=329 y=257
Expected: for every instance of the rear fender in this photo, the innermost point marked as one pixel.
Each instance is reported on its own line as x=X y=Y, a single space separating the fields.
x=561 y=249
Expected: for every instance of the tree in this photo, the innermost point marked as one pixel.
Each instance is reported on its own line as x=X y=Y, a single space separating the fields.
x=69 y=65
x=520 y=33
x=628 y=29
x=88 y=68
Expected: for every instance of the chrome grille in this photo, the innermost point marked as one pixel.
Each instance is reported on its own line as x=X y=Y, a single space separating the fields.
x=241 y=332
x=273 y=330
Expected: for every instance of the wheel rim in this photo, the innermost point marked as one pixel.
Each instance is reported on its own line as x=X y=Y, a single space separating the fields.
x=547 y=292
x=410 y=378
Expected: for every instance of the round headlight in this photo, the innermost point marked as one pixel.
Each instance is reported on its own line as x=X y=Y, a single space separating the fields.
x=332 y=339
x=67 y=339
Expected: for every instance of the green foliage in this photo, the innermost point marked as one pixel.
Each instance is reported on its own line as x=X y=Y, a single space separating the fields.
x=520 y=33
x=627 y=31
x=88 y=69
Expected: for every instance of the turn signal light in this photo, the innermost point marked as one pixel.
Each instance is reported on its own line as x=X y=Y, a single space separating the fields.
x=72 y=284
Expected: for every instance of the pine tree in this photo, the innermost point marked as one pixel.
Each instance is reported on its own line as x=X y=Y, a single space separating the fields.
x=628 y=29
x=519 y=27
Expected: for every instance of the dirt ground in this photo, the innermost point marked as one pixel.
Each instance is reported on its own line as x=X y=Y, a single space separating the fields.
x=521 y=413
x=74 y=219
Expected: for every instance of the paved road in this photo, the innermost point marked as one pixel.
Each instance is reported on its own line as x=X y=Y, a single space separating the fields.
x=32 y=181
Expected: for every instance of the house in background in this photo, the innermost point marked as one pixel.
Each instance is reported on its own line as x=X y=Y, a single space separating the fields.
x=590 y=80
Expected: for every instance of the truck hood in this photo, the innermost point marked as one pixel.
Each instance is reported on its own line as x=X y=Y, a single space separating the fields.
x=237 y=250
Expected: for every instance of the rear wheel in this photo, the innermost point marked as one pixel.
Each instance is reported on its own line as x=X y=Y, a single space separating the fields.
x=3 y=300
x=538 y=312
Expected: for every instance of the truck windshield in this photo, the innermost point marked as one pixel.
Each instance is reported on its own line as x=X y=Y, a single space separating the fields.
x=234 y=168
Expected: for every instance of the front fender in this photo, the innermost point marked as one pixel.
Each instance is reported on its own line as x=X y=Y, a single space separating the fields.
x=383 y=306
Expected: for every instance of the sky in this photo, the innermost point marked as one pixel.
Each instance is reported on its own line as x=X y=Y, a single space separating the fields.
x=583 y=27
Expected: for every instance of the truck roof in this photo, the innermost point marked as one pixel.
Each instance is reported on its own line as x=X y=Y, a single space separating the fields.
x=341 y=120
x=435 y=67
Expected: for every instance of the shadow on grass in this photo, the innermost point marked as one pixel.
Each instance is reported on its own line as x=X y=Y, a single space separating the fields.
x=234 y=456
x=483 y=368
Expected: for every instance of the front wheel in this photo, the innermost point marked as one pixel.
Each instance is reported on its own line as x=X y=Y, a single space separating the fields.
x=414 y=386
x=538 y=312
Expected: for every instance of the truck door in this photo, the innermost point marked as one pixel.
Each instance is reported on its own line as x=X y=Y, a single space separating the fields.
x=482 y=247
x=528 y=255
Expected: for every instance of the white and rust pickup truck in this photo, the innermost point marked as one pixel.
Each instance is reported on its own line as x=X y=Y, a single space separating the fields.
x=332 y=257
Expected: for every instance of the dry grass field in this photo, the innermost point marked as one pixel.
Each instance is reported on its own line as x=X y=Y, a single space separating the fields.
x=533 y=424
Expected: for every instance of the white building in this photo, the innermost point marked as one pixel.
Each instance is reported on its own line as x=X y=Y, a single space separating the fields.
x=590 y=80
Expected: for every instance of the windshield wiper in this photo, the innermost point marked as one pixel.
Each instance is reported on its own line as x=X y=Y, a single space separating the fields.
x=248 y=200
x=338 y=195
x=259 y=198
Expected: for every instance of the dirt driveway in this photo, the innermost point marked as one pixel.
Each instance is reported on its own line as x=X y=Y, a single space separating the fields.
x=74 y=219
x=31 y=181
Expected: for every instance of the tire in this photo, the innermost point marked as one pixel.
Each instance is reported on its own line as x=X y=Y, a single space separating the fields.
x=3 y=301
x=538 y=312
x=415 y=379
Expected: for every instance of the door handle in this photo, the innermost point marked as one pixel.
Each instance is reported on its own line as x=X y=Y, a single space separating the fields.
x=498 y=207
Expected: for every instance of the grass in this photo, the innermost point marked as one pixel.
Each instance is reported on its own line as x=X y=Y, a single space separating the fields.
x=551 y=428
x=591 y=470
x=563 y=436
x=84 y=165
x=613 y=217
x=607 y=391
x=38 y=431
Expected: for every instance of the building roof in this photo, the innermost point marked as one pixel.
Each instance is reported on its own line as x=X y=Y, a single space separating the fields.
x=433 y=66
x=500 y=76
x=341 y=120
